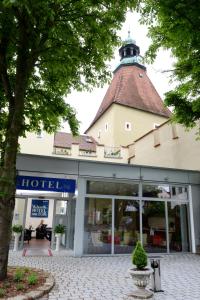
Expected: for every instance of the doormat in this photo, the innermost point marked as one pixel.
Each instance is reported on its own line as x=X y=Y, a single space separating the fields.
x=37 y=252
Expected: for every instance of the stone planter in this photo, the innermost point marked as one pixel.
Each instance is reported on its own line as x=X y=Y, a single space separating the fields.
x=58 y=239
x=141 y=279
x=16 y=241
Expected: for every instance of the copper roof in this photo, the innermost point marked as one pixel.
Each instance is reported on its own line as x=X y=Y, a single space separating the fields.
x=65 y=140
x=132 y=87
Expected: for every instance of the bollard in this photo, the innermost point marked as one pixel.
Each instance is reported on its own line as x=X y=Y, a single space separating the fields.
x=156 y=276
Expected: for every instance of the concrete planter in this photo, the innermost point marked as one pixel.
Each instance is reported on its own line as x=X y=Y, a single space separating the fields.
x=141 y=279
x=58 y=239
x=16 y=241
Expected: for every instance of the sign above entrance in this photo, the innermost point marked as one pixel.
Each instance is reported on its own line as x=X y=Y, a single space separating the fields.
x=46 y=184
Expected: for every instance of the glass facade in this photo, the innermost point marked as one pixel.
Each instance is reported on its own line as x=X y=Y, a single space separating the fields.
x=127 y=228
x=112 y=188
x=156 y=191
x=178 y=227
x=158 y=216
x=98 y=226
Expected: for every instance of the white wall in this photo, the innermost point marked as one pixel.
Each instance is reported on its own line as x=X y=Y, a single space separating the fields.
x=34 y=222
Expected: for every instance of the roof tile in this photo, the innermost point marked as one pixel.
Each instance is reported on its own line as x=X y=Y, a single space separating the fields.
x=132 y=87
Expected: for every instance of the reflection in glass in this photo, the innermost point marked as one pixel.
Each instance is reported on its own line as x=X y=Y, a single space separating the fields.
x=127 y=229
x=154 y=226
x=178 y=227
x=112 y=188
x=180 y=192
x=156 y=191
x=61 y=207
x=98 y=226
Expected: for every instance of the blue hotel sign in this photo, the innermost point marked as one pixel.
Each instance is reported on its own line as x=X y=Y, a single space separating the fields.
x=39 y=208
x=46 y=184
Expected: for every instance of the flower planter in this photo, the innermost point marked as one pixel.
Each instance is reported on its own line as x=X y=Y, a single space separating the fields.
x=141 y=279
x=16 y=241
x=58 y=239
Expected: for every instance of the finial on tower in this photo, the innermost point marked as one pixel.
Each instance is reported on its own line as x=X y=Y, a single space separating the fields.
x=129 y=39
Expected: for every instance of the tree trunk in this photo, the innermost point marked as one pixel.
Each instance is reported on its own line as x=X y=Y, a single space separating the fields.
x=6 y=216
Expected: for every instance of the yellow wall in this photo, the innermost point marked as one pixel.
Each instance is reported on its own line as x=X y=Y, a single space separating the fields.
x=32 y=144
x=106 y=137
x=182 y=152
x=116 y=116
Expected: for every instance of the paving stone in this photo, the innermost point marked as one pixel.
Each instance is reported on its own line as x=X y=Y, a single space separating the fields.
x=106 y=278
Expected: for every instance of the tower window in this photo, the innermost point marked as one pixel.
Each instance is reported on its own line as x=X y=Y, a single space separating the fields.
x=99 y=134
x=128 y=51
x=155 y=125
x=106 y=126
x=127 y=126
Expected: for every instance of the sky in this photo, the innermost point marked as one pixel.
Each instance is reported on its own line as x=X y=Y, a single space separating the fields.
x=86 y=104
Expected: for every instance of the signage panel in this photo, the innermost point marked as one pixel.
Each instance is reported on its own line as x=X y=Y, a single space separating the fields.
x=39 y=208
x=46 y=184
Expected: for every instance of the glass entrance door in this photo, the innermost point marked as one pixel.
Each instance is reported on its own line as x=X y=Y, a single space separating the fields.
x=154 y=226
x=178 y=227
x=126 y=225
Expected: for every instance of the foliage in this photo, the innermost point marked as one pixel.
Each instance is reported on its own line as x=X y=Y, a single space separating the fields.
x=26 y=269
x=174 y=24
x=32 y=279
x=57 y=46
x=19 y=286
x=17 y=228
x=19 y=275
x=139 y=256
x=59 y=229
x=2 y=293
x=47 y=48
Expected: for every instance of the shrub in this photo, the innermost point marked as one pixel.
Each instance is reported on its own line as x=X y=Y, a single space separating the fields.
x=19 y=275
x=17 y=228
x=139 y=256
x=19 y=286
x=2 y=293
x=32 y=279
x=59 y=229
x=26 y=269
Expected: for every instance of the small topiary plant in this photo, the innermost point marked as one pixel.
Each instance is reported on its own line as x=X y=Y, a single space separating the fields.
x=139 y=256
x=17 y=228
x=59 y=229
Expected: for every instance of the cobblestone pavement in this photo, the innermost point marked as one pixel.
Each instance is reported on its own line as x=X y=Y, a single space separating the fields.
x=106 y=278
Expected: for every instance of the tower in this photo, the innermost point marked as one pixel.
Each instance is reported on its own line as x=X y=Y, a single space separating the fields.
x=131 y=106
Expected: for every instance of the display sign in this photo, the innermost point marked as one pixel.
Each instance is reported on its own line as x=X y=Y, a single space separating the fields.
x=46 y=184
x=39 y=208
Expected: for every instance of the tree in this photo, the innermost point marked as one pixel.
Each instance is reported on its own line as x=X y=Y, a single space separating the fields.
x=47 y=47
x=175 y=25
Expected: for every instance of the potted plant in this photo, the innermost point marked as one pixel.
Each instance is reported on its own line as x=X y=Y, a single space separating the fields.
x=59 y=230
x=17 y=230
x=140 y=273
